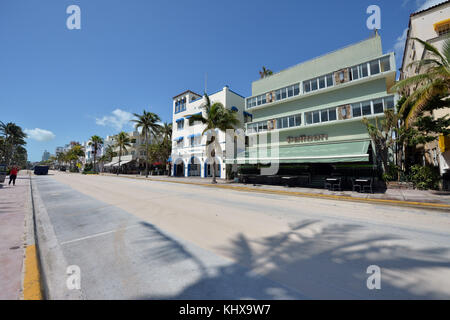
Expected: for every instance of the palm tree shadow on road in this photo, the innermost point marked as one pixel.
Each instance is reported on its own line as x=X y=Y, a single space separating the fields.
x=318 y=261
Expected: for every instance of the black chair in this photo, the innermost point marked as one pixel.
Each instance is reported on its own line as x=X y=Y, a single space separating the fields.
x=368 y=185
x=338 y=184
x=356 y=185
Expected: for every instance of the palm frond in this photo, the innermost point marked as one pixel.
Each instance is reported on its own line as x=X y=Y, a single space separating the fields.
x=417 y=79
x=431 y=49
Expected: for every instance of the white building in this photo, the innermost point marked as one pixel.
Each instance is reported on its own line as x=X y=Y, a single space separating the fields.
x=89 y=152
x=433 y=26
x=189 y=145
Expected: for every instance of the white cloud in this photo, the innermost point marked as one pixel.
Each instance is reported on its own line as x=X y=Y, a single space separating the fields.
x=40 y=134
x=429 y=3
x=399 y=45
x=117 y=120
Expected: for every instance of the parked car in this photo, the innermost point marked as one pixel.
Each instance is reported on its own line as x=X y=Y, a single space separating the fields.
x=2 y=172
x=62 y=168
x=41 y=170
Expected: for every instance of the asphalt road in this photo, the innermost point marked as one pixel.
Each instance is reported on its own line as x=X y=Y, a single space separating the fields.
x=136 y=239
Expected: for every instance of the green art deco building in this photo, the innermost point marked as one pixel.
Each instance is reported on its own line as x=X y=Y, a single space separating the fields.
x=316 y=109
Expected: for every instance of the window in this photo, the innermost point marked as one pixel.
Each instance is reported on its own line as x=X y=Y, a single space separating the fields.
x=180 y=125
x=374 y=67
x=307 y=86
x=278 y=95
x=298 y=120
x=291 y=121
x=296 y=90
x=366 y=108
x=378 y=106
x=285 y=123
x=385 y=64
x=324 y=115
x=308 y=116
x=279 y=123
x=283 y=93
x=321 y=82
x=316 y=117
x=364 y=72
x=332 y=114
x=389 y=103
x=313 y=84
x=192 y=141
x=354 y=73
x=259 y=100
x=356 y=110
x=290 y=91
x=329 y=80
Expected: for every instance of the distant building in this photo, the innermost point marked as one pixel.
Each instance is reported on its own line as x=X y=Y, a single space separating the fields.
x=433 y=26
x=132 y=160
x=46 y=155
x=59 y=150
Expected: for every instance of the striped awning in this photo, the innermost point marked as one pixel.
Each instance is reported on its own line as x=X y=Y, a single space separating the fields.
x=196 y=114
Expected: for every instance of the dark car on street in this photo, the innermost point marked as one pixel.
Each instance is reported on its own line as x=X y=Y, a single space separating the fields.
x=40 y=170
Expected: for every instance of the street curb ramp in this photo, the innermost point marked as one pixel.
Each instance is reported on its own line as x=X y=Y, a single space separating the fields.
x=53 y=264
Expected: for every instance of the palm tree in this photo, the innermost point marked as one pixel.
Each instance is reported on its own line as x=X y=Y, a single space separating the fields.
x=13 y=137
x=122 y=142
x=96 y=142
x=148 y=122
x=74 y=154
x=216 y=117
x=427 y=88
x=265 y=72
x=165 y=135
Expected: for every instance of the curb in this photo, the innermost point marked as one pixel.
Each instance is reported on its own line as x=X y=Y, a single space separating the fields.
x=411 y=204
x=31 y=275
x=52 y=262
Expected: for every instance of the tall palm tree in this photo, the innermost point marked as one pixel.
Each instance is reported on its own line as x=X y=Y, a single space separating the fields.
x=166 y=145
x=216 y=117
x=122 y=142
x=427 y=88
x=13 y=137
x=265 y=72
x=96 y=142
x=148 y=123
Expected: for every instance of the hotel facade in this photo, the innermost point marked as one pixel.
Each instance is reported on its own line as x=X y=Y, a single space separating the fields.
x=316 y=110
x=189 y=154
x=433 y=26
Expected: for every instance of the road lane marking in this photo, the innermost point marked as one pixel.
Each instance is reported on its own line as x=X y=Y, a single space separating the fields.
x=99 y=234
x=32 y=278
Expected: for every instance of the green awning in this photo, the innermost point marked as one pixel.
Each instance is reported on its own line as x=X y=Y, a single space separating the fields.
x=353 y=151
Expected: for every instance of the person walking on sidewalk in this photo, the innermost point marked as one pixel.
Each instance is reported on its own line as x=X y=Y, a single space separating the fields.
x=13 y=175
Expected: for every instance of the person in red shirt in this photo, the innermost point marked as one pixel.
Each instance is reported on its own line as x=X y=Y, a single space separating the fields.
x=13 y=175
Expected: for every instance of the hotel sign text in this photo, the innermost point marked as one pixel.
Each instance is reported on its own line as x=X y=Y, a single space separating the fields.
x=304 y=138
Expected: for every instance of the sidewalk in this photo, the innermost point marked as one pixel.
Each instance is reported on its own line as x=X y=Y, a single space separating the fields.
x=418 y=198
x=18 y=262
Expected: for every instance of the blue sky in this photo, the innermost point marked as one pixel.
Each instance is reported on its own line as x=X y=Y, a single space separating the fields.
x=63 y=85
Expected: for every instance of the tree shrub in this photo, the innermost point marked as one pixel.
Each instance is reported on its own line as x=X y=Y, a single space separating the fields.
x=424 y=177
